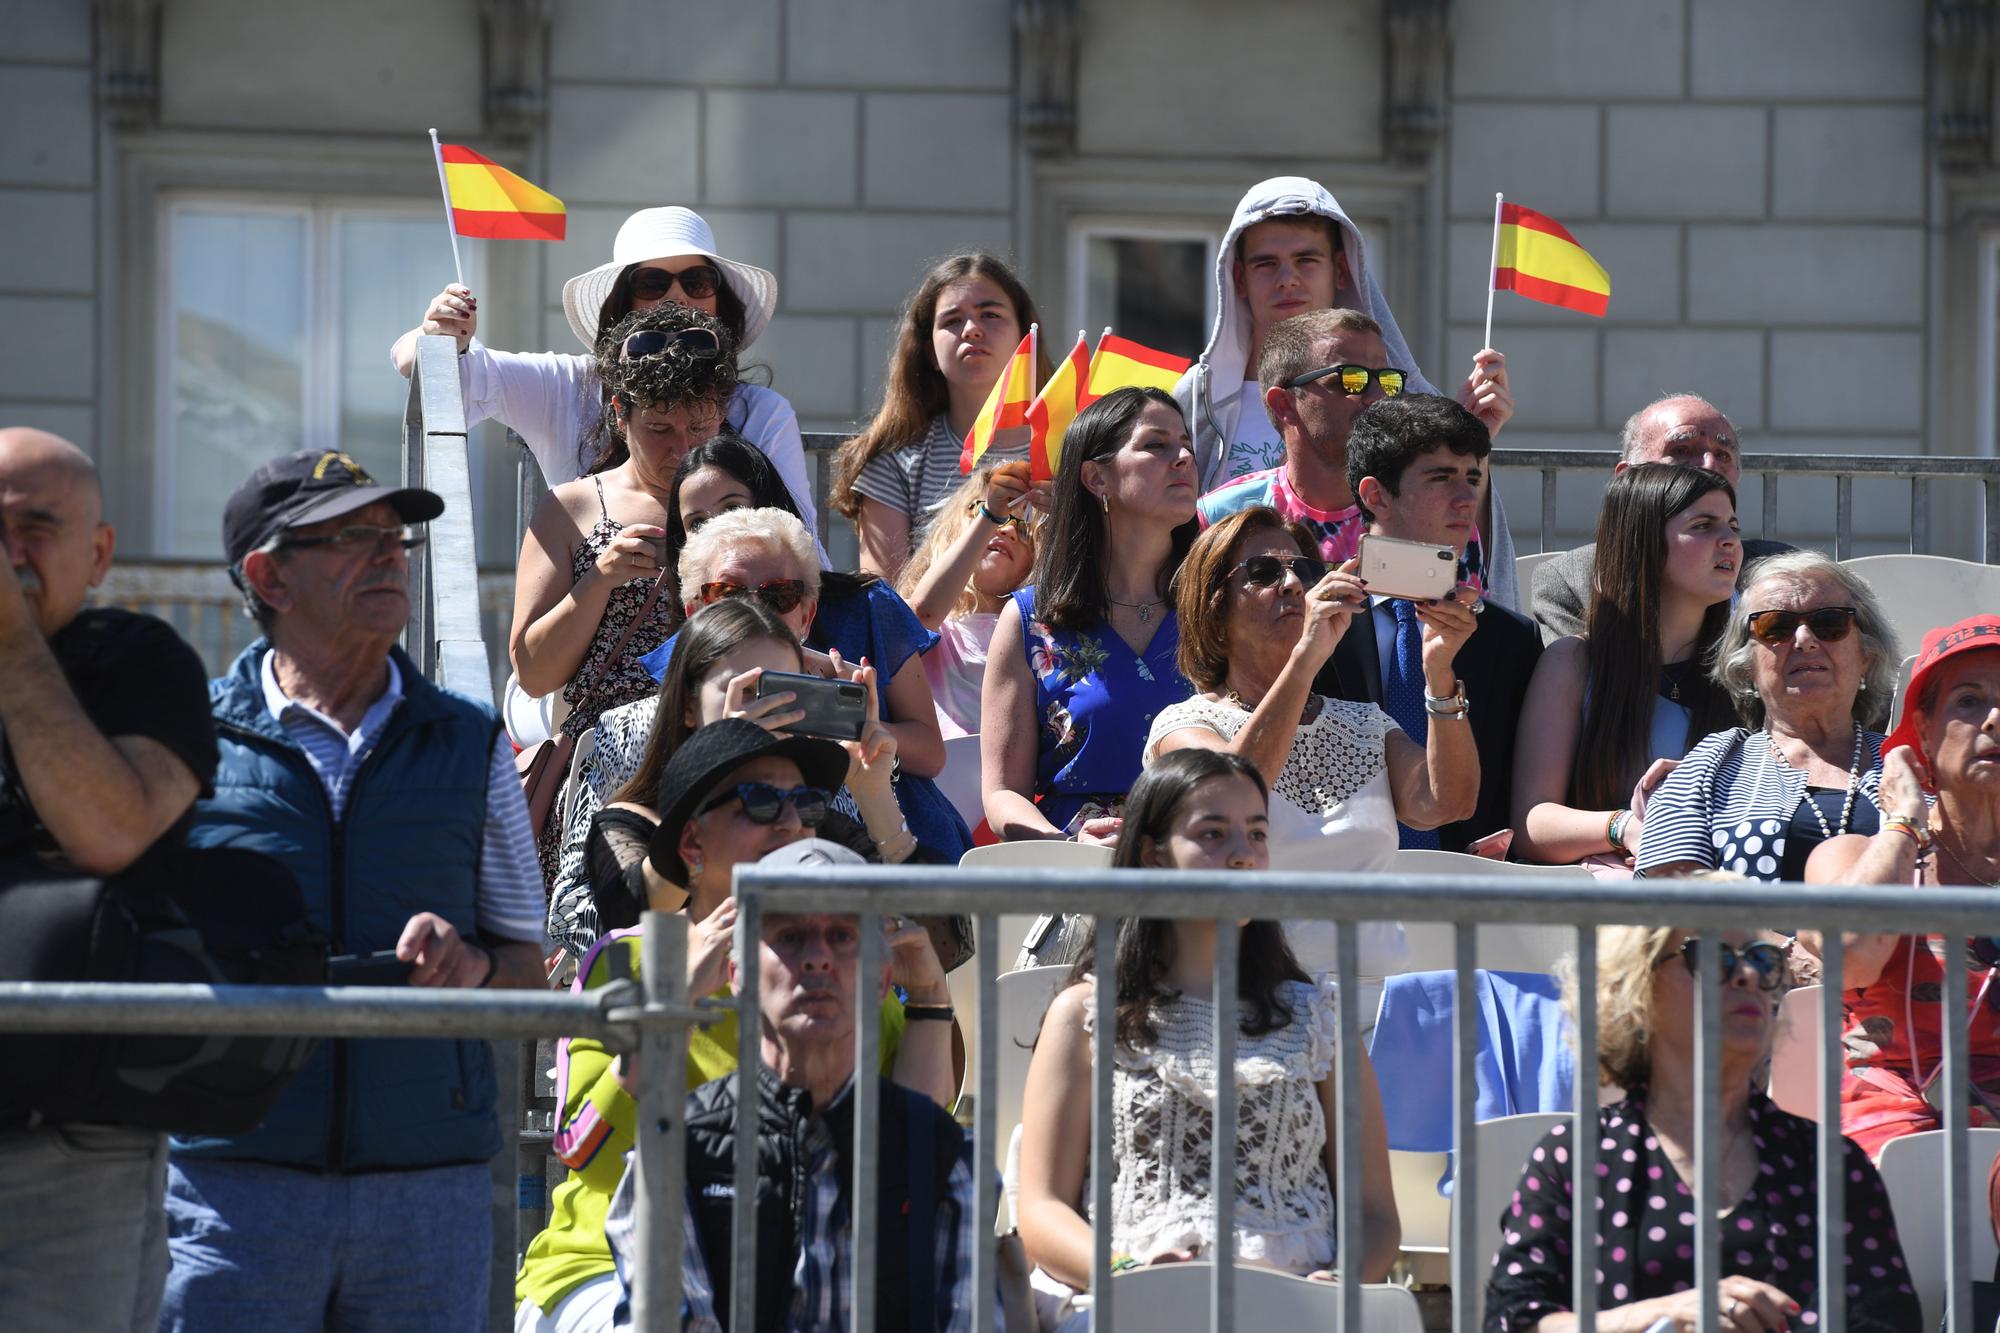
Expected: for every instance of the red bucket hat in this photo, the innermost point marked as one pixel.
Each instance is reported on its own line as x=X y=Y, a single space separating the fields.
x=1969 y=635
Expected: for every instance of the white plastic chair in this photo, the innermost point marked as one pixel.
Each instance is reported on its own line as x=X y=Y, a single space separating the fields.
x=1024 y=999
x=1027 y=855
x=1903 y=674
x=960 y=779
x=1500 y=1149
x=1913 y=1170
x=1503 y=948
x=1920 y=592
x=1525 y=566
x=1424 y=1213
x=1176 y=1296
x=1795 y=1053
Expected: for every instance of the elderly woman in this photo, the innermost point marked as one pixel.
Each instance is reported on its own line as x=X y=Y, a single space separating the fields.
x=1947 y=745
x=1646 y=1225
x=1260 y=615
x=1811 y=663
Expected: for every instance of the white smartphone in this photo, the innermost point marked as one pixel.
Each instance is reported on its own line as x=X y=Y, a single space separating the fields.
x=1417 y=571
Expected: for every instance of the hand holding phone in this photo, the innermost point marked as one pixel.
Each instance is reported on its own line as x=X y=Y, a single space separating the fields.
x=835 y=709
x=1414 y=571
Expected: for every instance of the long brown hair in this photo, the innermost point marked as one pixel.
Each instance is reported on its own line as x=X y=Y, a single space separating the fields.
x=915 y=390
x=1622 y=649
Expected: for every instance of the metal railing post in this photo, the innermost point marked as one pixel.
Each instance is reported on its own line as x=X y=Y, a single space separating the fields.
x=1832 y=1146
x=1348 y=1053
x=1465 y=1201
x=1583 y=1152
x=867 y=1096
x=749 y=1067
x=1708 y=1140
x=661 y=1143
x=1957 y=1094
x=1103 y=1049
x=986 y=1110
x=1222 y=1162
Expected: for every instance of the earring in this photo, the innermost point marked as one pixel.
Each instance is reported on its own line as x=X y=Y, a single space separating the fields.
x=1105 y=500
x=1864 y=683
x=693 y=867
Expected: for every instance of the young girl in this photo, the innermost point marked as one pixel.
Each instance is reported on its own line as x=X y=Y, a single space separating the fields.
x=978 y=551
x=1614 y=708
x=1199 y=809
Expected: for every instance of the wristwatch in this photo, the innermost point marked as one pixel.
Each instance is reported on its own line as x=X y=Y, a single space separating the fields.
x=1451 y=705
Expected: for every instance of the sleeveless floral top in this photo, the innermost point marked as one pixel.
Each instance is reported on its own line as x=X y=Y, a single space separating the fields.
x=593 y=689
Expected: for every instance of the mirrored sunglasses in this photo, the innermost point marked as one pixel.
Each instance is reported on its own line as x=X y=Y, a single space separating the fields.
x=1767 y=960
x=702 y=344
x=781 y=595
x=1353 y=380
x=1829 y=624
x=1263 y=571
x=653 y=284
x=763 y=803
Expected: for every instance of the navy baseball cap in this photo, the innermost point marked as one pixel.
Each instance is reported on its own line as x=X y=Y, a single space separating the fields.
x=308 y=487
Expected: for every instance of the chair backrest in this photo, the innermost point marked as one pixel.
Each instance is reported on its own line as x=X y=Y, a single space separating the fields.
x=1903 y=674
x=1913 y=1169
x=960 y=779
x=1920 y=592
x=1795 y=1053
x=1424 y=1213
x=1502 y=1147
x=1524 y=567
x=1510 y=948
x=1170 y=1296
x=1024 y=998
x=1028 y=855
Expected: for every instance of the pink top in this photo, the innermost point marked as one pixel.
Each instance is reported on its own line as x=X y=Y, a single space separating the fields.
x=956 y=668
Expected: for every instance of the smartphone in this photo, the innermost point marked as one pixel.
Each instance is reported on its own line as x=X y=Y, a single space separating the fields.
x=1416 y=571
x=835 y=709
x=381 y=968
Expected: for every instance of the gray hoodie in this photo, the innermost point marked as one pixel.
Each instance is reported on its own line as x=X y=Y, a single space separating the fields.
x=1210 y=392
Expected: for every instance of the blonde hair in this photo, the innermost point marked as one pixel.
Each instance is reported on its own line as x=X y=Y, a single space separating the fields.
x=772 y=529
x=1624 y=1000
x=952 y=517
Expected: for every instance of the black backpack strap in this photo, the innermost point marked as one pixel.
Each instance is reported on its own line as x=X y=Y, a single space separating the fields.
x=920 y=1179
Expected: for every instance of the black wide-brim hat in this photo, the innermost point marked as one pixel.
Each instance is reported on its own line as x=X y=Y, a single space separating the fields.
x=710 y=754
x=310 y=486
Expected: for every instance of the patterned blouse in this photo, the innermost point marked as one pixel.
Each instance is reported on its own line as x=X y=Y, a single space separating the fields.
x=587 y=694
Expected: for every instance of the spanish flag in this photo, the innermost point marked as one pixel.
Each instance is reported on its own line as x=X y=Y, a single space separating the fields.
x=1007 y=406
x=1537 y=258
x=1054 y=408
x=491 y=202
x=1121 y=363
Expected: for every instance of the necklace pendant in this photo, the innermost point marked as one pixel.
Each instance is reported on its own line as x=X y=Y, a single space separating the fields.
x=1145 y=614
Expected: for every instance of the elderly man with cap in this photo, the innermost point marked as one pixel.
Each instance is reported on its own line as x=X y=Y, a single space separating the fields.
x=810 y=993
x=365 y=1198
x=105 y=743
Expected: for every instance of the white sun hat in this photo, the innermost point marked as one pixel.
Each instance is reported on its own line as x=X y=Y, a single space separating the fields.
x=667 y=233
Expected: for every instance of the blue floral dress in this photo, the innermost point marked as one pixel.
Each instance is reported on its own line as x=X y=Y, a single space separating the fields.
x=1096 y=699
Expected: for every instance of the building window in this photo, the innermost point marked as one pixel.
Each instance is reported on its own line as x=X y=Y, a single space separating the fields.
x=276 y=323
x=1152 y=284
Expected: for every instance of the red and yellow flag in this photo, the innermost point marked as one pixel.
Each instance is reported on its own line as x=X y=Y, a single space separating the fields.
x=491 y=202
x=1121 y=363
x=1006 y=407
x=1054 y=408
x=1543 y=262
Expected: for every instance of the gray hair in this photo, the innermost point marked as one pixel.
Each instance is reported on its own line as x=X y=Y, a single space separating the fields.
x=1628 y=435
x=1879 y=654
x=772 y=529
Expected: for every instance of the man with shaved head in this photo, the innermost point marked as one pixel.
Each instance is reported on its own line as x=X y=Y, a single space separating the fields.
x=1679 y=428
x=105 y=744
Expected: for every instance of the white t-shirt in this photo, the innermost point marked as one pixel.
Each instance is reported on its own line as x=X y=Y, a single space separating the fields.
x=1257 y=446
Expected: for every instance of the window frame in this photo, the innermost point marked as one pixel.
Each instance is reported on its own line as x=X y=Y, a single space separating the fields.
x=1085 y=228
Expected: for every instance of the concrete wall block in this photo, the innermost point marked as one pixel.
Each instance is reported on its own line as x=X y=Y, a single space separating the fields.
x=900 y=44
x=623 y=145
x=1805 y=275
x=1685 y=161
x=1724 y=366
x=50 y=350
x=748 y=235
x=1784 y=49
x=1817 y=383
x=49 y=115
x=1558 y=48
x=1816 y=150
x=53 y=30
x=926 y=150
x=47 y=241
x=1553 y=373
x=878 y=336
x=812 y=363
x=868 y=262
x=781 y=148
x=1543 y=156
x=704 y=41
x=1644 y=262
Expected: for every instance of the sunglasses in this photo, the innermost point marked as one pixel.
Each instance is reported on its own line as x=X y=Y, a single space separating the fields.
x=1765 y=959
x=702 y=344
x=763 y=803
x=360 y=537
x=1829 y=624
x=781 y=595
x=1015 y=521
x=1353 y=379
x=1263 y=571
x=697 y=283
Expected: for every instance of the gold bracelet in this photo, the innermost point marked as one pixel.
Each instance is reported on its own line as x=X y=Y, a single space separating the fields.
x=896 y=848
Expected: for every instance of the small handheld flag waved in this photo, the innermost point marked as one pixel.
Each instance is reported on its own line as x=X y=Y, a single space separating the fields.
x=1007 y=406
x=1121 y=363
x=1054 y=408
x=1534 y=256
x=491 y=202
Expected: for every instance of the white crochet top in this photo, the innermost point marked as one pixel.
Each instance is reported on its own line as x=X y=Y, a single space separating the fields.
x=1163 y=1123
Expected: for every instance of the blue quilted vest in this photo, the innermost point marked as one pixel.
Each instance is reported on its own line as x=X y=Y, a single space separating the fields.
x=408 y=842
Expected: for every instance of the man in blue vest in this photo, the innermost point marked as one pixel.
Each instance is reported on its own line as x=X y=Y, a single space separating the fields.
x=364 y=1200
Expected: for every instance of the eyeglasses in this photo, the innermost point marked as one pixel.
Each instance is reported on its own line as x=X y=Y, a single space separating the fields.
x=1017 y=522
x=1765 y=959
x=653 y=284
x=1262 y=571
x=781 y=595
x=763 y=803
x=702 y=344
x=1829 y=624
x=1353 y=379
x=360 y=537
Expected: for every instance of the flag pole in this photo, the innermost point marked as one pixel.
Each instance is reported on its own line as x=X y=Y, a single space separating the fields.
x=1492 y=268
x=451 y=228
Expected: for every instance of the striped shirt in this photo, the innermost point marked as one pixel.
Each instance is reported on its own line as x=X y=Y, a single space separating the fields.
x=508 y=897
x=916 y=479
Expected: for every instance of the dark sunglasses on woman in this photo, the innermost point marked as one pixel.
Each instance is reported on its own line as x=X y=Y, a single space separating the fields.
x=697 y=283
x=1353 y=380
x=781 y=595
x=1263 y=571
x=1767 y=960
x=702 y=344
x=763 y=803
x=1829 y=624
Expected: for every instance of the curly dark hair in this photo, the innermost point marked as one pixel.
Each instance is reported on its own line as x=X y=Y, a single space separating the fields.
x=673 y=378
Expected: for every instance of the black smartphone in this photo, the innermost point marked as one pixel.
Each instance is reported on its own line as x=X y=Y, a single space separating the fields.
x=835 y=709
x=381 y=968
